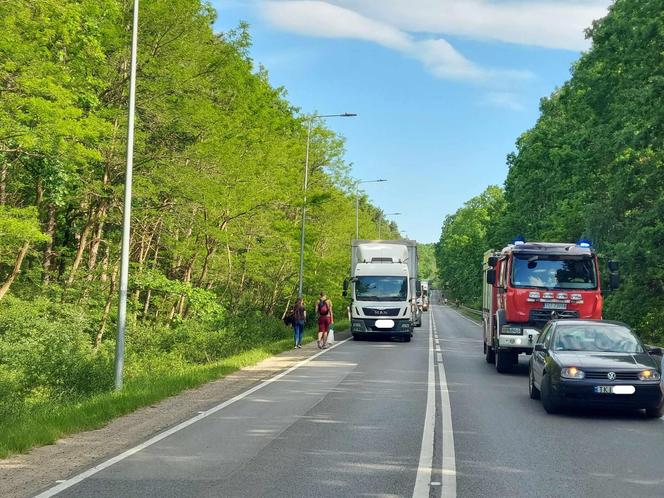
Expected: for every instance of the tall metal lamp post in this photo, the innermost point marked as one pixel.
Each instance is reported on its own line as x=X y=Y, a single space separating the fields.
x=306 y=184
x=357 y=202
x=126 y=221
x=380 y=221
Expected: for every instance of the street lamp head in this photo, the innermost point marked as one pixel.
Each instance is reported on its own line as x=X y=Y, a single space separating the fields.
x=348 y=115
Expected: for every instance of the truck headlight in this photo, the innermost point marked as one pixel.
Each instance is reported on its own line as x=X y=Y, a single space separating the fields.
x=507 y=330
x=572 y=373
x=649 y=375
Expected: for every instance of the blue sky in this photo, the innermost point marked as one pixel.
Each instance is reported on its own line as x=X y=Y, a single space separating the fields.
x=443 y=88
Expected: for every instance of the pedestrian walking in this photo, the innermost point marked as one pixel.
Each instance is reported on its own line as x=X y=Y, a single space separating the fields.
x=325 y=319
x=299 y=314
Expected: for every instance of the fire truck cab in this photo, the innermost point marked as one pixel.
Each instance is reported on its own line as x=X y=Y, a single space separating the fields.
x=528 y=284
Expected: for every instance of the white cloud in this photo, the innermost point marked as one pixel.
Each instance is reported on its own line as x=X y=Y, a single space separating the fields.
x=503 y=100
x=323 y=19
x=545 y=23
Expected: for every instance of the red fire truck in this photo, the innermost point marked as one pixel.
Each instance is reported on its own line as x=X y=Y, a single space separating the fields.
x=527 y=284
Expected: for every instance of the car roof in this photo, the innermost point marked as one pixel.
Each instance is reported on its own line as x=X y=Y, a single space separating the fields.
x=589 y=322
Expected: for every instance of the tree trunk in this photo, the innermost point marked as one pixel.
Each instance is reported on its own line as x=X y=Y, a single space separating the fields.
x=81 y=249
x=15 y=271
x=3 y=183
x=107 y=309
x=48 y=251
x=96 y=242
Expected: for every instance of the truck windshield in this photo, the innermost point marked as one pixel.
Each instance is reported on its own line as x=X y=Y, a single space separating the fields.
x=553 y=273
x=375 y=288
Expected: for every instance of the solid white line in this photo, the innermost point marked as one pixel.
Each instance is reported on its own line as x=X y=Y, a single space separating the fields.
x=104 y=465
x=448 y=489
x=425 y=465
x=466 y=318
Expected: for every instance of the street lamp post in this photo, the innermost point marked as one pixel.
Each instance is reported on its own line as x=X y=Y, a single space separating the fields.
x=306 y=184
x=357 y=203
x=126 y=221
x=380 y=221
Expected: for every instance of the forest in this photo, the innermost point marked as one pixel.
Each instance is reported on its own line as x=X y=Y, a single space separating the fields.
x=217 y=207
x=592 y=166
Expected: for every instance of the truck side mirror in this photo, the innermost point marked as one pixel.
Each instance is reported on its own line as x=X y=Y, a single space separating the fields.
x=418 y=288
x=345 y=292
x=491 y=276
x=493 y=261
x=614 y=281
x=614 y=266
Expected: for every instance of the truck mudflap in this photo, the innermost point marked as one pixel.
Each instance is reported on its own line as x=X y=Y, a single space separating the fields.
x=380 y=326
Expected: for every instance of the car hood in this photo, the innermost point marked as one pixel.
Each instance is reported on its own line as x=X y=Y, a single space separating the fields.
x=612 y=361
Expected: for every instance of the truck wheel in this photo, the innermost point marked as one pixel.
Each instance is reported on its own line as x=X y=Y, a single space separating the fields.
x=532 y=390
x=489 y=354
x=549 y=401
x=504 y=361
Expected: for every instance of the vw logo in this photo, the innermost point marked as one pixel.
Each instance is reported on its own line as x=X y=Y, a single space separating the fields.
x=611 y=376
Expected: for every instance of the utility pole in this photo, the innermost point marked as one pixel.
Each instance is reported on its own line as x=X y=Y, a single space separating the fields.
x=126 y=221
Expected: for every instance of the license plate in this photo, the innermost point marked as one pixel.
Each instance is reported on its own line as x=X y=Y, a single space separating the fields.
x=555 y=306
x=614 y=389
x=384 y=324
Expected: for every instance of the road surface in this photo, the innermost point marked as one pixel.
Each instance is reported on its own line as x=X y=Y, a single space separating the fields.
x=379 y=418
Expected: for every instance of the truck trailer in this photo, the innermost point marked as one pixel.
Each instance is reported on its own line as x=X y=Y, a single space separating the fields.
x=383 y=288
x=527 y=284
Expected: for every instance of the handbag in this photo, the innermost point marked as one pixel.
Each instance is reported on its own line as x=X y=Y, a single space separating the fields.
x=330 y=335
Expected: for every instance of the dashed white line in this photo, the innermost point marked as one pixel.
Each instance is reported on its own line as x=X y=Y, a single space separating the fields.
x=68 y=483
x=448 y=489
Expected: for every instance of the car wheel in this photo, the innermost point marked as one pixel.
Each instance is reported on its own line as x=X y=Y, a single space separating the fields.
x=655 y=411
x=504 y=361
x=406 y=338
x=489 y=354
x=532 y=390
x=549 y=401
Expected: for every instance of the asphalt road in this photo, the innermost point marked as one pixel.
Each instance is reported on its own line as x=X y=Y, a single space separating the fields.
x=382 y=418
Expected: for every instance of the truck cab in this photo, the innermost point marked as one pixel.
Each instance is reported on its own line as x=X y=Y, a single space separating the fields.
x=526 y=285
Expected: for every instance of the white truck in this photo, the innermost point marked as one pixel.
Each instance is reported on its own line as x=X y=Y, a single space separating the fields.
x=424 y=286
x=383 y=288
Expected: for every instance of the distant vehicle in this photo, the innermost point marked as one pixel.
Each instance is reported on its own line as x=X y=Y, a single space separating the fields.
x=383 y=288
x=424 y=288
x=594 y=363
x=526 y=284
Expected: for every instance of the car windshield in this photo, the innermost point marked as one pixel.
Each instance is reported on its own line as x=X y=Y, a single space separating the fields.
x=553 y=273
x=599 y=338
x=381 y=288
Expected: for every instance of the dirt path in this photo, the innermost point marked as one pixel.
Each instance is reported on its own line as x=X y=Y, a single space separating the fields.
x=28 y=474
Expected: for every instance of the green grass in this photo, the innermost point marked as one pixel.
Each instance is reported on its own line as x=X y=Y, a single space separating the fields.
x=48 y=422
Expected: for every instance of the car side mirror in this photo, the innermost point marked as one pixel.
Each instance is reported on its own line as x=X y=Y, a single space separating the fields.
x=491 y=276
x=655 y=351
x=541 y=348
x=614 y=281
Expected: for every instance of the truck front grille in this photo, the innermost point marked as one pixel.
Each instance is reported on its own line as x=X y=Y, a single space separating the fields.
x=381 y=312
x=546 y=315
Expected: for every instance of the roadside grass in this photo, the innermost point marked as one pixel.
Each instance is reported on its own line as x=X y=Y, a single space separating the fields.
x=46 y=423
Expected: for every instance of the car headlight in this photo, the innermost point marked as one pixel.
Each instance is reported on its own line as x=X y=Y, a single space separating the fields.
x=649 y=375
x=572 y=373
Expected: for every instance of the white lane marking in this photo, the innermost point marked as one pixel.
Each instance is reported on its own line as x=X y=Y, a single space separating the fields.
x=448 y=489
x=466 y=318
x=68 y=483
x=425 y=465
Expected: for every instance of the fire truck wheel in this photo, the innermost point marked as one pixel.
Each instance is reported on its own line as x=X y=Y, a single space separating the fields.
x=532 y=390
x=549 y=402
x=489 y=354
x=504 y=361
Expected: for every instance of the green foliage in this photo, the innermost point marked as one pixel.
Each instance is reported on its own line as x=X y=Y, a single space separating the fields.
x=428 y=269
x=466 y=236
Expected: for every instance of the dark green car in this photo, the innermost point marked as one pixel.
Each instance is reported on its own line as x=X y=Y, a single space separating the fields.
x=595 y=363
